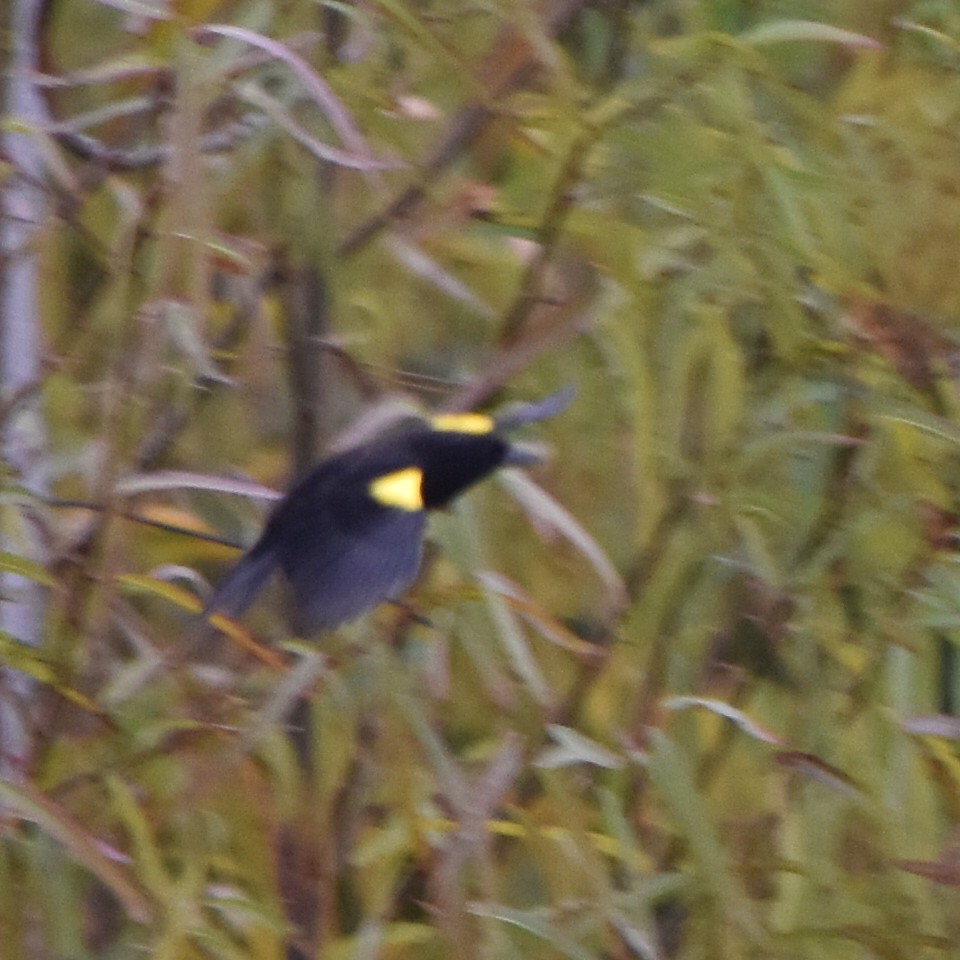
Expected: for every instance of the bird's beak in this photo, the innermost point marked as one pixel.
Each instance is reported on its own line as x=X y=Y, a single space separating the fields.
x=522 y=413
x=526 y=454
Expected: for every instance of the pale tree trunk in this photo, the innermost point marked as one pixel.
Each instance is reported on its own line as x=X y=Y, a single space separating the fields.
x=23 y=434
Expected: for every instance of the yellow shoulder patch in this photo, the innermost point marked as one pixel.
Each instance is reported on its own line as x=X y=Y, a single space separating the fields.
x=463 y=423
x=400 y=489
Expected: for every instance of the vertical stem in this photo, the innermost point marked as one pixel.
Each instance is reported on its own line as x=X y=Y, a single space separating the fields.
x=23 y=437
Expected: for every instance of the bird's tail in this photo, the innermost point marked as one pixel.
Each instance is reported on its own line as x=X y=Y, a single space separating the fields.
x=242 y=585
x=231 y=599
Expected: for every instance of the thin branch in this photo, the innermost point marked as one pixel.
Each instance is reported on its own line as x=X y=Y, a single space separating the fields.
x=119 y=160
x=135 y=517
x=511 y=65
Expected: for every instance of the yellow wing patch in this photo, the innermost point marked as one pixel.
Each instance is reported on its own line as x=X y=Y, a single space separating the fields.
x=400 y=489
x=463 y=423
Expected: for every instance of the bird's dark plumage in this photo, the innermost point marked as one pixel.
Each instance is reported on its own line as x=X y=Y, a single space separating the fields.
x=350 y=534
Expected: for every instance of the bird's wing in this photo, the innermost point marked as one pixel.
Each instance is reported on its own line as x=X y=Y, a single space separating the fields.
x=337 y=574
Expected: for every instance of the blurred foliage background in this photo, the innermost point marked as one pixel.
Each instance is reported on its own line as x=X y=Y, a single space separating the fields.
x=687 y=691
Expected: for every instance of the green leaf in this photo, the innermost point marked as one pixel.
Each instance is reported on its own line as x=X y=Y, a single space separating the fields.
x=30 y=804
x=571 y=747
x=738 y=717
x=805 y=31
x=672 y=773
x=23 y=567
x=155 y=587
x=537 y=922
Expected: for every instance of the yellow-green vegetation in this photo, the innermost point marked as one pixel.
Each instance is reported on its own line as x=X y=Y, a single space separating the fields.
x=688 y=690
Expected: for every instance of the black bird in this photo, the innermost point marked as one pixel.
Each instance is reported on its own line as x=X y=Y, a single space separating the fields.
x=350 y=534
